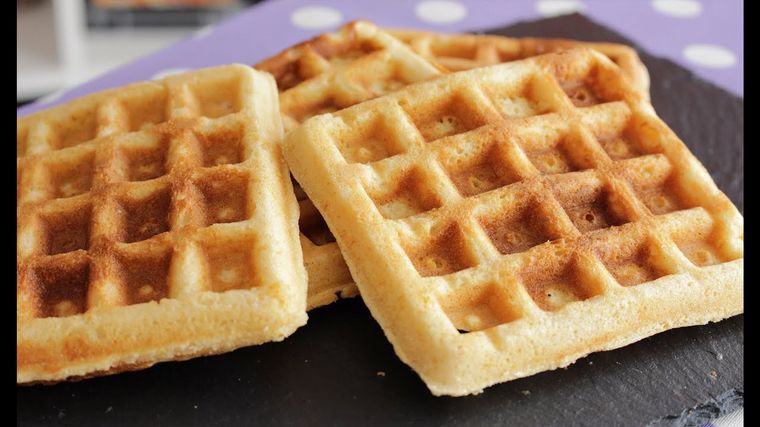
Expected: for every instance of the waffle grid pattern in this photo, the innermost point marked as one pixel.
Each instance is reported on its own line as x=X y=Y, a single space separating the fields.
x=157 y=191
x=337 y=70
x=327 y=73
x=507 y=195
x=457 y=52
x=360 y=62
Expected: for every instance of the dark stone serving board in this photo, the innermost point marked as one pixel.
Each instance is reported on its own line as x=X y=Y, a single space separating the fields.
x=340 y=370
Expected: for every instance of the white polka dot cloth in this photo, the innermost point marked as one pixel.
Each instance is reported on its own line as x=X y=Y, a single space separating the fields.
x=705 y=36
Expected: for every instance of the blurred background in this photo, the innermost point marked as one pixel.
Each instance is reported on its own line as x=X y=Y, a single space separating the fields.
x=61 y=43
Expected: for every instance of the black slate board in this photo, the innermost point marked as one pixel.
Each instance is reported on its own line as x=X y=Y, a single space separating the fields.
x=340 y=370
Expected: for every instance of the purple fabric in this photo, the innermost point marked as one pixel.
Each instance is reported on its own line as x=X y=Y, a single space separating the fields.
x=267 y=28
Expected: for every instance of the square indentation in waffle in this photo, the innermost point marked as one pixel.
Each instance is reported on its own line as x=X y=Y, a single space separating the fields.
x=448 y=115
x=70 y=174
x=306 y=108
x=224 y=195
x=145 y=212
x=292 y=73
x=370 y=140
x=656 y=184
x=409 y=196
x=229 y=262
x=597 y=86
x=349 y=51
x=146 y=108
x=480 y=307
x=67 y=229
x=60 y=285
x=701 y=245
x=378 y=78
x=635 y=262
x=532 y=97
x=557 y=281
x=144 y=272
x=591 y=205
x=312 y=225
x=627 y=139
x=145 y=160
x=76 y=127
x=218 y=97
x=445 y=253
x=523 y=227
x=321 y=55
x=221 y=146
x=557 y=153
x=700 y=251
x=484 y=170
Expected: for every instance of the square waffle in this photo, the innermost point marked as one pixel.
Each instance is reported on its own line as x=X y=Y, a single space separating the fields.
x=458 y=52
x=327 y=73
x=156 y=222
x=503 y=226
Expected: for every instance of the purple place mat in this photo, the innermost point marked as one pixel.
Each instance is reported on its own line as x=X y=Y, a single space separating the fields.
x=708 y=32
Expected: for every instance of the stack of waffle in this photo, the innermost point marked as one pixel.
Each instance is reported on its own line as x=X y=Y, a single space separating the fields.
x=504 y=207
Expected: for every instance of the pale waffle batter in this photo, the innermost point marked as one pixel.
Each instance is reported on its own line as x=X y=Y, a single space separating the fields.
x=457 y=52
x=511 y=219
x=324 y=74
x=360 y=62
x=155 y=222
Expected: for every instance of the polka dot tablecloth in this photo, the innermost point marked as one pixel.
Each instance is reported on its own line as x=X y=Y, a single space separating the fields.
x=705 y=36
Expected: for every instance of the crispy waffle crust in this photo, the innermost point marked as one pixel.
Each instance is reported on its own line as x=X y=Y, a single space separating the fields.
x=156 y=222
x=511 y=219
x=360 y=62
x=457 y=52
x=337 y=70
x=327 y=73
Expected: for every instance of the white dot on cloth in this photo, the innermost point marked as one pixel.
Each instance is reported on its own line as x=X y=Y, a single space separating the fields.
x=315 y=17
x=168 y=72
x=204 y=32
x=440 y=11
x=678 y=8
x=709 y=55
x=52 y=97
x=550 y=8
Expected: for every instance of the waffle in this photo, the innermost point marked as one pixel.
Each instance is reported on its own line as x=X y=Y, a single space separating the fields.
x=511 y=219
x=458 y=52
x=336 y=70
x=156 y=222
x=327 y=73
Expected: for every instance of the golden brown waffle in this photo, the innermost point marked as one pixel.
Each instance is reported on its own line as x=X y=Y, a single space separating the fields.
x=360 y=62
x=155 y=222
x=458 y=52
x=336 y=70
x=511 y=219
x=324 y=74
